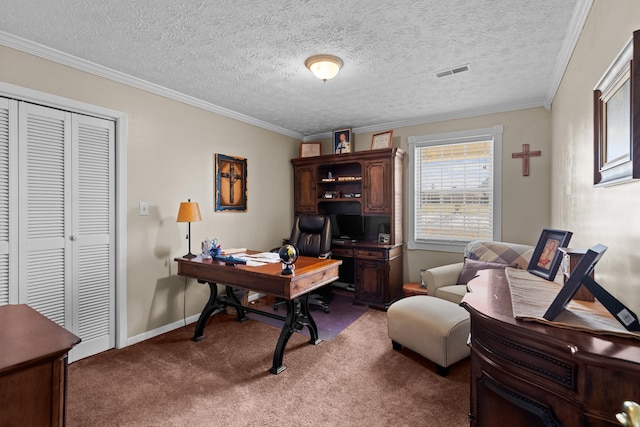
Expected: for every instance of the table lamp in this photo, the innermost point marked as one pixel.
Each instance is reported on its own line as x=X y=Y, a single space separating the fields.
x=189 y=212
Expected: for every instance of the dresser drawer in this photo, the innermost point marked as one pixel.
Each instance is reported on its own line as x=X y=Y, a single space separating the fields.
x=344 y=252
x=370 y=254
x=525 y=358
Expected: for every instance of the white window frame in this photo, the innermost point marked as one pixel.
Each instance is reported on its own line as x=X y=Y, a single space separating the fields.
x=415 y=142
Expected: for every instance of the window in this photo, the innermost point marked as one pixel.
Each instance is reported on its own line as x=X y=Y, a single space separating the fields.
x=454 y=183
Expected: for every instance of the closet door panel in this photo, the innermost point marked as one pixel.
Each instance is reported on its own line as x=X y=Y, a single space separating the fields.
x=93 y=166
x=45 y=136
x=8 y=145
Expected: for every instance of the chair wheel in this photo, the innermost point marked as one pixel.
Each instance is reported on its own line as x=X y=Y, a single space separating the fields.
x=326 y=310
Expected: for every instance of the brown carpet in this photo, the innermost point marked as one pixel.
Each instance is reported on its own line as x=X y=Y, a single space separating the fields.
x=355 y=380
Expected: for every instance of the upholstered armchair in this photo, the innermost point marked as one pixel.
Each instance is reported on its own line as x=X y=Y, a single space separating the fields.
x=449 y=282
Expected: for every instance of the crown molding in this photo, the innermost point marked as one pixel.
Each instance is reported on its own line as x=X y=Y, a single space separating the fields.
x=475 y=112
x=580 y=15
x=54 y=55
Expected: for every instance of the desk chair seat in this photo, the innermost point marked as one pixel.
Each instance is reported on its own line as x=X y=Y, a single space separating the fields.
x=311 y=235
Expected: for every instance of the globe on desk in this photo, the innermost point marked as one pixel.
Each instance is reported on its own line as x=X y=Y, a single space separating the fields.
x=288 y=255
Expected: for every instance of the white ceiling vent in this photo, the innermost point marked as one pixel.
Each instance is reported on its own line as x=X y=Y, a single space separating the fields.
x=454 y=70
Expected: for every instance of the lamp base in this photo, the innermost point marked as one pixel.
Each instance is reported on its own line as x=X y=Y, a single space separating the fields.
x=189 y=255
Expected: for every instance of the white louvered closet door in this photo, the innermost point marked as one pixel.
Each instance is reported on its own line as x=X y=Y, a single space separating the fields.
x=66 y=231
x=93 y=233
x=45 y=214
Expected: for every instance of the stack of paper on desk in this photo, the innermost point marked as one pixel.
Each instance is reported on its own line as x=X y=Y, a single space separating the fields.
x=268 y=257
x=232 y=251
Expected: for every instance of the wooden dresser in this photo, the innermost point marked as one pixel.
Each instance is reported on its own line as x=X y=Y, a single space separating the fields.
x=33 y=368
x=530 y=374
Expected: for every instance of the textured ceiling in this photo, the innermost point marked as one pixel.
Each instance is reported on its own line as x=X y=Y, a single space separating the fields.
x=247 y=56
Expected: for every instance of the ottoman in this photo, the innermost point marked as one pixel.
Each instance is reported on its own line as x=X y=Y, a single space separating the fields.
x=435 y=328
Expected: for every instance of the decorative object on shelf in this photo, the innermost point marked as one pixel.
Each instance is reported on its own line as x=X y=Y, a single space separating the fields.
x=324 y=66
x=310 y=149
x=189 y=212
x=384 y=238
x=381 y=140
x=288 y=255
x=525 y=154
x=342 y=140
x=616 y=107
x=546 y=257
x=330 y=194
x=231 y=183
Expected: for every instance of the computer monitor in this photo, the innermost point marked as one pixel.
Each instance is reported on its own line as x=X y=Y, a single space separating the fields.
x=350 y=226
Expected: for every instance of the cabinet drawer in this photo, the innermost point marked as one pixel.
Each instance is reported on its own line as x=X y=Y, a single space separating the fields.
x=345 y=252
x=370 y=254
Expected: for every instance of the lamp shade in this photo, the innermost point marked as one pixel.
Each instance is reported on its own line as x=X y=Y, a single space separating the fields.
x=324 y=67
x=189 y=212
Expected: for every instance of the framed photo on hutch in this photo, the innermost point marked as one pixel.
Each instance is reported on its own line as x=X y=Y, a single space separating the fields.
x=546 y=257
x=381 y=140
x=310 y=149
x=342 y=141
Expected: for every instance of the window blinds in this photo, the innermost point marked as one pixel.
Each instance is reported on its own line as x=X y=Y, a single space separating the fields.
x=454 y=191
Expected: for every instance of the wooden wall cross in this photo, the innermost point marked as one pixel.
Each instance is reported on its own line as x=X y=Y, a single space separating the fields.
x=232 y=176
x=524 y=155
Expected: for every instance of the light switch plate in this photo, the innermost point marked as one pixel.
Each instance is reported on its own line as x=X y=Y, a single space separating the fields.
x=144 y=208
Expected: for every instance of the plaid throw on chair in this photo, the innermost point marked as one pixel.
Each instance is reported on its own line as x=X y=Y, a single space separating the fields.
x=502 y=252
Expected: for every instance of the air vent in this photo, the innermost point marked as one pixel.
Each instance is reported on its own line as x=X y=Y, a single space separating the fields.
x=454 y=70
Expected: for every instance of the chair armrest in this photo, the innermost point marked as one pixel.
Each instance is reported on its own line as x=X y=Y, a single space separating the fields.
x=326 y=255
x=445 y=275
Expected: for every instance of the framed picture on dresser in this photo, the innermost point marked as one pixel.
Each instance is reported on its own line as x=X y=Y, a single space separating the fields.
x=546 y=257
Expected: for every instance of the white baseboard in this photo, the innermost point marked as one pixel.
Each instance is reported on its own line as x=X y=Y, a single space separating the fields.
x=164 y=329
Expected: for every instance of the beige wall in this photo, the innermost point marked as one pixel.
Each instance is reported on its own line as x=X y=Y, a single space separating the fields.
x=170 y=153
x=526 y=204
x=596 y=215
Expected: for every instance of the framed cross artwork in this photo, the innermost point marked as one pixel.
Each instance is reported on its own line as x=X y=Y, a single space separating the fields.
x=231 y=183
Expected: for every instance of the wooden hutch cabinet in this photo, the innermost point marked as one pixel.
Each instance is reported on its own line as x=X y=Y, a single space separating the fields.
x=526 y=374
x=368 y=185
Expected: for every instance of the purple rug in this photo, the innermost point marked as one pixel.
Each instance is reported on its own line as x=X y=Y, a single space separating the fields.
x=341 y=314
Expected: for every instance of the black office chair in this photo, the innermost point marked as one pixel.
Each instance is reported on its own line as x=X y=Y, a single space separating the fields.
x=311 y=235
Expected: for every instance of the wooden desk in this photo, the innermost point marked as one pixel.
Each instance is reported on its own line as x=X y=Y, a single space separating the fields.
x=310 y=274
x=531 y=374
x=33 y=368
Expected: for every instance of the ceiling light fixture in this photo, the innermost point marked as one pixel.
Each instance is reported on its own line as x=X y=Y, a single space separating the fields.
x=324 y=67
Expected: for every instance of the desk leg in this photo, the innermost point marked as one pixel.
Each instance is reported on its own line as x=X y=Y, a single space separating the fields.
x=298 y=316
x=309 y=322
x=209 y=307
